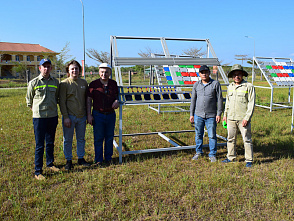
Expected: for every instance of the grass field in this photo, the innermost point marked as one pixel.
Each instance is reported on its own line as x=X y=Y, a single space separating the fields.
x=158 y=186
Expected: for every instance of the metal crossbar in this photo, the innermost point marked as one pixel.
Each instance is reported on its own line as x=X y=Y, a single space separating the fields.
x=121 y=61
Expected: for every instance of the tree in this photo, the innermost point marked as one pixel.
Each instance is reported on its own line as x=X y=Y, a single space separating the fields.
x=241 y=57
x=21 y=68
x=62 y=58
x=147 y=53
x=194 y=52
x=101 y=57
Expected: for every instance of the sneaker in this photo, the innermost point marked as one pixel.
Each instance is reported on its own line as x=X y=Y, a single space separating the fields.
x=53 y=168
x=40 y=177
x=248 y=164
x=212 y=159
x=83 y=162
x=68 y=165
x=227 y=161
x=196 y=156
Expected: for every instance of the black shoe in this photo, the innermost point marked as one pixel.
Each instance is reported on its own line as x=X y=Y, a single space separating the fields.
x=68 y=165
x=83 y=162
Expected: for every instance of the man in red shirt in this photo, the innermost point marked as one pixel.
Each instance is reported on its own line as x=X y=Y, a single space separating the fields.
x=103 y=96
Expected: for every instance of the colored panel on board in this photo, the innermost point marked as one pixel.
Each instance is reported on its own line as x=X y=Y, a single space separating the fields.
x=170 y=82
x=166 y=68
x=280 y=67
x=269 y=67
x=190 y=66
x=193 y=74
x=285 y=75
x=280 y=74
x=182 y=66
x=169 y=78
x=274 y=75
x=285 y=67
x=187 y=82
x=167 y=73
x=197 y=66
x=275 y=67
x=178 y=73
x=181 y=82
x=291 y=67
x=292 y=70
x=185 y=74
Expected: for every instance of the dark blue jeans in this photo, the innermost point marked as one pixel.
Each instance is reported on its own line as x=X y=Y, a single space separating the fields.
x=210 y=124
x=44 y=129
x=103 y=131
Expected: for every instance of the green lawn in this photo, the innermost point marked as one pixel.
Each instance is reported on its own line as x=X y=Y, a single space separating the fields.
x=158 y=186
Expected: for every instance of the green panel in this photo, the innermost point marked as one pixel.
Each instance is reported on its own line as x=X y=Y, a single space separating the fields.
x=170 y=82
x=167 y=73
x=181 y=82
x=178 y=73
x=190 y=66
x=269 y=67
x=292 y=70
x=274 y=75
x=182 y=66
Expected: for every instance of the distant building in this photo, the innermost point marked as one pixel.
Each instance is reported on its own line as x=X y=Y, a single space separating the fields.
x=29 y=54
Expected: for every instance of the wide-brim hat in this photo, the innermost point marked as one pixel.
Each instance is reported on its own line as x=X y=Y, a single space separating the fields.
x=237 y=67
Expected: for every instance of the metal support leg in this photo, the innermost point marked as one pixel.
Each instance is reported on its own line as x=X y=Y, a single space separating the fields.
x=272 y=95
x=120 y=134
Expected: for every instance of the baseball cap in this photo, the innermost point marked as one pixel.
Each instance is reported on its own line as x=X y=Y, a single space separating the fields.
x=204 y=68
x=105 y=65
x=45 y=61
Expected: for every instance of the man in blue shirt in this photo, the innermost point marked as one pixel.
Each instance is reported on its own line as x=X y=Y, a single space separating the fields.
x=205 y=110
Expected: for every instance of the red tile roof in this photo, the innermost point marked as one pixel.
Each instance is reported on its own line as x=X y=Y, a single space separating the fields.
x=7 y=46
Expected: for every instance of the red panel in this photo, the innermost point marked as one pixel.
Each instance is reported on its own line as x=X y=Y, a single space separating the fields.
x=280 y=74
x=188 y=82
x=197 y=66
x=280 y=67
x=275 y=67
x=193 y=74
x=193 y=82
x=185 y=74
x=285 y=75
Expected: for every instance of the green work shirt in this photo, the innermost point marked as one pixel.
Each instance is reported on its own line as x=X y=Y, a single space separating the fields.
x=42 y=96
x=72 y=97
x=240 y=101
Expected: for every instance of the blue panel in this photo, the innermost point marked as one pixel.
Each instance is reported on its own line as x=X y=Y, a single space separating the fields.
x=285 y=67
x=291 y=75
x=291 y=67
x=166 y=68
x=169 y=78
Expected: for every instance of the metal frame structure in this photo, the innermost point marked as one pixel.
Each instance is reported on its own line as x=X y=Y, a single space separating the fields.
x=165 y=59
x=261 y=64
x=125 y=97
x=123 y=101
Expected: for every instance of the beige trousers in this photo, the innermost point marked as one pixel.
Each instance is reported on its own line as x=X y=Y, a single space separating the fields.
x=232 y=126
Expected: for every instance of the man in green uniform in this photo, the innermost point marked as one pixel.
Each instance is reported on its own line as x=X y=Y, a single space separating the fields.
x=240 y=101
x=42 y=96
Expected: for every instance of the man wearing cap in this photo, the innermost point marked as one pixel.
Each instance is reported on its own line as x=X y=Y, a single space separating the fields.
x=240 y=101
x=42 y=96
x=205 y=110
x=103 y=96
x=72 y=103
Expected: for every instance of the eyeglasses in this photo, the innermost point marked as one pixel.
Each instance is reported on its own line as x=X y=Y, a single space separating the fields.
x=106 y=89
